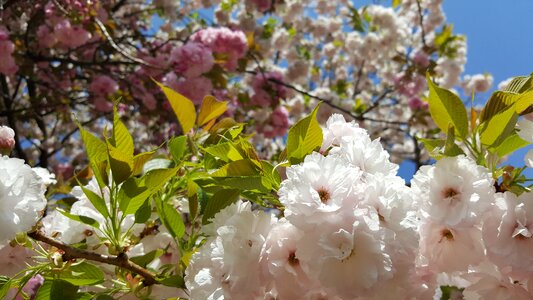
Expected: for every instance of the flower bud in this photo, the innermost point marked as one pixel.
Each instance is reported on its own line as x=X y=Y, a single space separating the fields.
x=7 y=140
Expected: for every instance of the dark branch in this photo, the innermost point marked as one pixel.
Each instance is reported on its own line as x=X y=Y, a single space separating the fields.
x=74 y=253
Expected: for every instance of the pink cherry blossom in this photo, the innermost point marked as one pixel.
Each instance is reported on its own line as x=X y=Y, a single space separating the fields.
x=71 y=36
x=228 y=45
x=103 y=85
x=191 y=59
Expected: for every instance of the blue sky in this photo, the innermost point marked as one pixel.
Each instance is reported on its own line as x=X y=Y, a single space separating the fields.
x=499 y=41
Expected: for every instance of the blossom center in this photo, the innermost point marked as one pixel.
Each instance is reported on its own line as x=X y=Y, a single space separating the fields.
x=324 y=195
x=293 y=261
x=447 y=234
x=450 y=193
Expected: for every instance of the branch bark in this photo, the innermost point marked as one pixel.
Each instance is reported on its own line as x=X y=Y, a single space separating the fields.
x=73 y=253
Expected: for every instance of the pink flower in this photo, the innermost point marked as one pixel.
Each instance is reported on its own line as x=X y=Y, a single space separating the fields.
x=7 y=139
x=192 y=59
x=277 y=124
x=508 y=234
x=103 y=85
x=415 y=103
x=7 y=62
x=193 y=88
x=268 y=93
x=71 y=36
x=228 y=45
x=102 y=104
x=46 y=37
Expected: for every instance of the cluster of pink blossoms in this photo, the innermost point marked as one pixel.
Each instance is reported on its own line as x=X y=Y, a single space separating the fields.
x=7 y=62
x=351 y=229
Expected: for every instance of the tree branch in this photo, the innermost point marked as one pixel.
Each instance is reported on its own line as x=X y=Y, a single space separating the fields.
x=73 y=253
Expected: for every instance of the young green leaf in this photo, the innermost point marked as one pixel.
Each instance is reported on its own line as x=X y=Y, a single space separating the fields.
x=82 y=273
x=445 y=108
x=121 y=138
x=182 y=107
x=139 y=160
x=177 y=147
x=171 y=218
x=304 y=137
x=211 y=109
x=121 y=164
x=144 y=260
x=97 y=201
x=82 y=219
x=499 y=127
x=218 y=201
x=510 y=144
x=57 y=289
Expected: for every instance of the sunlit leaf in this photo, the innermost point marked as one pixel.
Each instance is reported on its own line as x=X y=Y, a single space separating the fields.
x=211 y=109
x=304 y=137
x=218 y=201
x=445 y=108
x=182 y=107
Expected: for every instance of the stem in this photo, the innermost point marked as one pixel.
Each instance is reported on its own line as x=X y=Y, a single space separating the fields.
x=121 y=260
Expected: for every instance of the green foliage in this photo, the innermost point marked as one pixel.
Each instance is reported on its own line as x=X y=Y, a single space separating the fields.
x=446 y=108
x=171 y=218
x=147 y=258
x=82 y=273
x=182 y=107
x=97 y=201
x=82 y=219
x=177 y=147
x=303 y=138
x=57 y=289
x=218 y=201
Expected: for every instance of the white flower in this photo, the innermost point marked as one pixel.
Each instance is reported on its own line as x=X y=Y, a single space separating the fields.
x=318 y=188
x=455 y=190
x=489 y=283
x=365 y=154
x=528 y=159
x=448 y=249
x=282 y=266
x=525 y=129
x=508 y=234
x=338 y=129
x=21 y=198
x=228 y=264
x=348 y=260
x=47 y=177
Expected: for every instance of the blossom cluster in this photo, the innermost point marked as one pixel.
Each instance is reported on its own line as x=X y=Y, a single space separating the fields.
x=350 y=228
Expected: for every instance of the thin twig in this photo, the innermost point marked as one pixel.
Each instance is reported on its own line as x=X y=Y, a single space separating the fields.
x=74 y=253
x=421 y=23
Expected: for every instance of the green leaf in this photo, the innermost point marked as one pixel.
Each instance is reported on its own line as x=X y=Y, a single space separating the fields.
x=510 y=144
x=82 y=273
x=182 y=107
x=177 y=147
x=225 y=151
x=5 y=285
x=96 y=148
x=520 y=84
x=304 y=137
x=450 y=148
x=97 y=201
x=155 y=179
x=132 y=195
x=171 y=218
x=139 y=160
x=218 y=201
x=143 y=213
x=499 y=127
x=97 y=153
x=433 y=146
x=57 y=289
x=121 y=164
x=194 y=192
x=524 y=101
x=82 y=219
x=498 y=102
x=121 y=138
x=445 y=108
x=211 y=109
x=450 y=292
x=173 y=281
x=395 y=3
x=243 y=167
x=144 y=260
